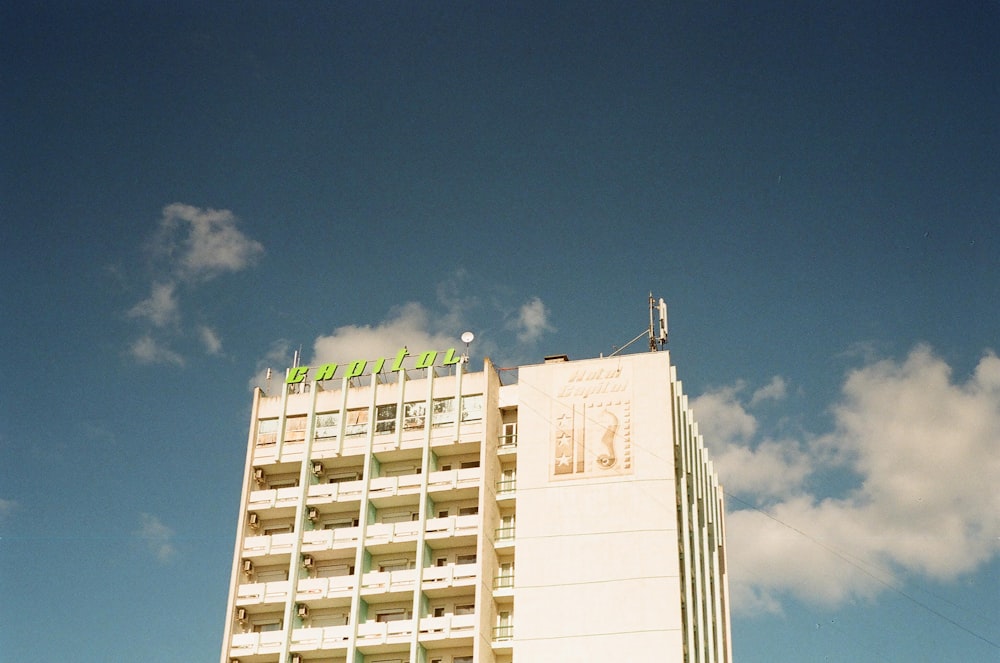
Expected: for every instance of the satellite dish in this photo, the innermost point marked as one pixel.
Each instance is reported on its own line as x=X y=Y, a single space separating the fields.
x=467 y=337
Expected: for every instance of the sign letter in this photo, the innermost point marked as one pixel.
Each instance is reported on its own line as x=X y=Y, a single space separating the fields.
x=296 y=375
x=325 y=372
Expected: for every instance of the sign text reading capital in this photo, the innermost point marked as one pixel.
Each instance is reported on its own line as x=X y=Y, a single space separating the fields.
x=357 y=367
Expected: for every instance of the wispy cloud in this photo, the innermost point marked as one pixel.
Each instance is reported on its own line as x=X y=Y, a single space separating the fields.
x=156 y=537
x=926 y=454
x=532 y=321
x=210 y=339
x=147 y=350
x=204 y=243
x=191 y=245
x=160 y=308
x=7 y=507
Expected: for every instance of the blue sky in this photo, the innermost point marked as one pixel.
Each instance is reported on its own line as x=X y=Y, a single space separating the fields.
x=189 y=193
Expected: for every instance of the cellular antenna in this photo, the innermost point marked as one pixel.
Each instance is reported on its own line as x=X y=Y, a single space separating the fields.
x=656 y=340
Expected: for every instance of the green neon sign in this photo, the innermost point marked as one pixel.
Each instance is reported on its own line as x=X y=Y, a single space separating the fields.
x=358 y=366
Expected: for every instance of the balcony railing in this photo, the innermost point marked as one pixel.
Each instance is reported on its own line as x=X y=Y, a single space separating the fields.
x=505 y=533
x=505 y=632
x=506 y=486
x=503 y=582
x=507 y=443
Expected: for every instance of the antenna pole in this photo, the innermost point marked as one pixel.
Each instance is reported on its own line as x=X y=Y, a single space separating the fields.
x=652 y=337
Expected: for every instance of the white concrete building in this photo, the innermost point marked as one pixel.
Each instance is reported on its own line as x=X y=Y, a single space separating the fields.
x=558 y=512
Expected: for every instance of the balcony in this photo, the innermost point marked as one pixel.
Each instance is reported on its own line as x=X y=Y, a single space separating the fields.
x=506 y=488
x=443 y=577
x=251 y=644
x=448 y=627
x=324 y=638
x=504 y=536
x=373 y=634
x=501 y=583
x=387 y=582
x=263 y=592
x=316 y=589
x=383 y=487
x=284 y=499
x=453 y=527
x=267 y=545
x=385 y=534
x=455 y=479
x=503 y=633
x=345 y=491
x=318 y=540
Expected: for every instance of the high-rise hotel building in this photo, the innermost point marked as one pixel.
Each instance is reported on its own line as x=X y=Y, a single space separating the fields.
x=409 y=510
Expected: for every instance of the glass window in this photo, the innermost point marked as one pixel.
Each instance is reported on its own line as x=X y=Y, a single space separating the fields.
x=295 y=429
x=467 y=609
x=356 y=422
x=472 y=407
x=442 y=411
x=327 y=424
x=385 y=419
x=414 y=415
x=267 y=432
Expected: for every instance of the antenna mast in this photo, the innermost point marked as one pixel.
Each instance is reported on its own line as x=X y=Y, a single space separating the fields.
x=656 y=340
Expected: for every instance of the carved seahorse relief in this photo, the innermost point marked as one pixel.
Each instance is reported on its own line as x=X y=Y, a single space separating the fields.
x=609 y=422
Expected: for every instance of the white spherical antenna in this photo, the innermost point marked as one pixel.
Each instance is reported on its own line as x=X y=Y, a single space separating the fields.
x=467 y=337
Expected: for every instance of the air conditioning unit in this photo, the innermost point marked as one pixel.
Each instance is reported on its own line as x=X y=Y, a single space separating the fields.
x=259 y=476
x=253 y=520
x=302 y=610
x=317 y=468
x=308 y=561
x=241 y=615
x=313 y=513
x=247 y=566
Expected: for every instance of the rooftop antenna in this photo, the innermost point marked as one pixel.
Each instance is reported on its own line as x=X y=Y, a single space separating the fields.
x=656 y=340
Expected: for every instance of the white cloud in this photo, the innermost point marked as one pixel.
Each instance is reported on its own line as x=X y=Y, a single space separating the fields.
x=410 y=325
x=156 y=537
x=7 y=507
x=160 y=308
x=926 y=451
x=191 y=246
x=532 y=321
x=204 y=243
x=147 y=350
x=210 y=339
x=775 y=390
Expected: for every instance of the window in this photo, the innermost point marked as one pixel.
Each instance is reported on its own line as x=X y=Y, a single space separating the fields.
x=472 y=407
x=267 y=432
x=462 y=659
x=466 y=559
x=468 y=511
x=439 y=612
x=328 y=570
x=282 y=528
x=266 y=625
x=341 y=477
x=441 y=561
x=399 y=517
x=443 y=513
x=385 y=419
x=339 y=523
x=395 y=565
x=466 y=609
x=295 y=429
x=327 y=425
x=272 y=575
x=393 y=615
x=414 y=415
x=357 y=422
x=469 y=464
x=442 y=411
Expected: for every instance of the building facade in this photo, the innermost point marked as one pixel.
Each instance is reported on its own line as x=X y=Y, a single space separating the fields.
x=558 y=512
